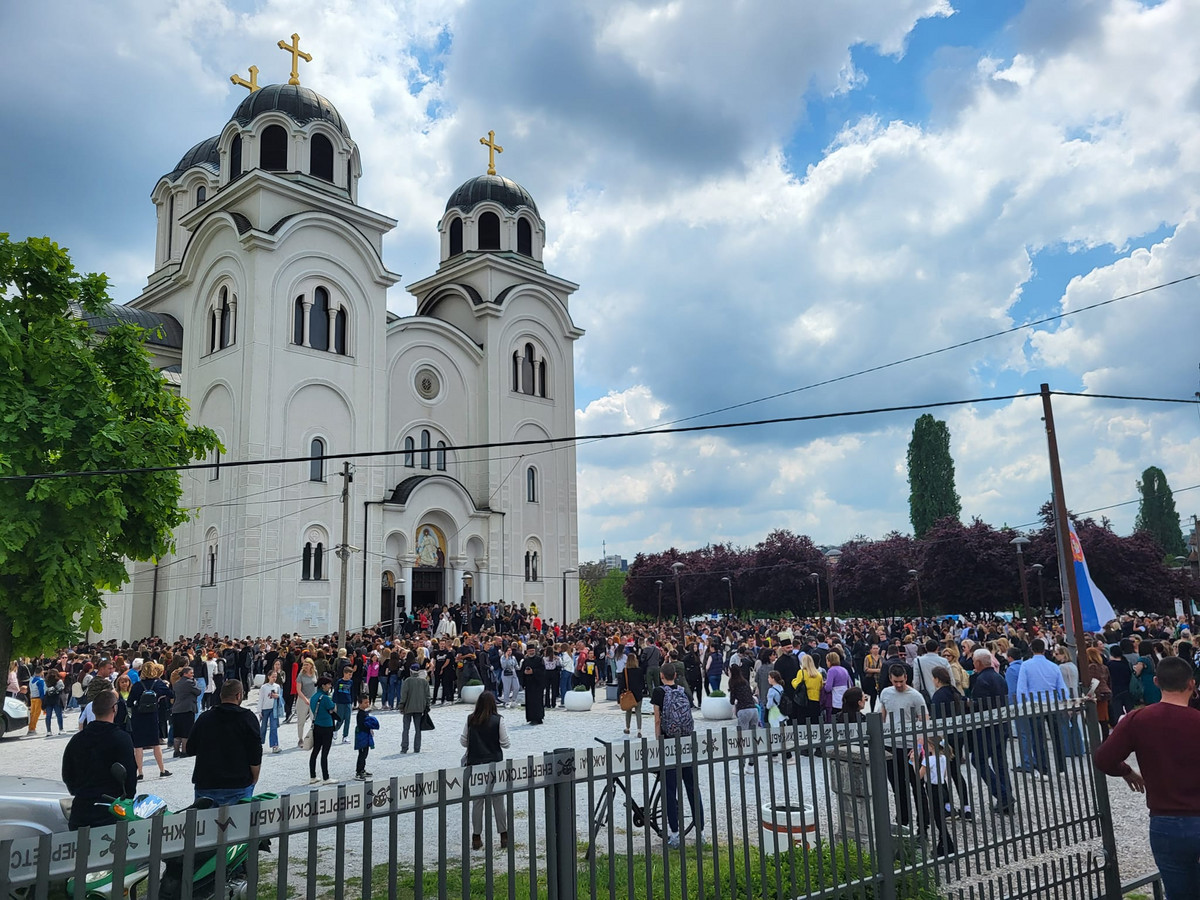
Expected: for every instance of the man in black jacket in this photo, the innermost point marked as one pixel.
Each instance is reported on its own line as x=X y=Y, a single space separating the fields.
x=989 y=692
x=87 y=765
x=225 y=741
x=787 y=665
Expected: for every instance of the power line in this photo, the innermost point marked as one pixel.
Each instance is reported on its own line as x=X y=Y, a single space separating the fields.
x=539 y=442
x=947 y=348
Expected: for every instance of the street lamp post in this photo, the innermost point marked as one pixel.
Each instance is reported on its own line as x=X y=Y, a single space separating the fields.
x=467 y=598
x=566 y=572
x=729 y=584
x=679 y=602
x=916 y=577
x=1037 y=567
x=833 y=556
x=815 y=578
x=659 y=583
x=1020 y=543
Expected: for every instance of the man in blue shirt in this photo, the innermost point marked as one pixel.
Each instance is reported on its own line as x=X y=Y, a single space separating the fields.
x=1040 y=683
x=1024 y=736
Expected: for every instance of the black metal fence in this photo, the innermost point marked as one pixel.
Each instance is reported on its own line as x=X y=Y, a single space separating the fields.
x=1000 y=802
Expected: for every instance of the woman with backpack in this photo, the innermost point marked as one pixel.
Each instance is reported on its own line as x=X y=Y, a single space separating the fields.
x=146 y=699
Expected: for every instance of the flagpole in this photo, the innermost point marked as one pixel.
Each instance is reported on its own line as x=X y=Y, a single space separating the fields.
x=1072 y=614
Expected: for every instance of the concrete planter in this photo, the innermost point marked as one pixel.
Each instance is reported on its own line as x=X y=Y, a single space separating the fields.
x=578 y=701
x=716 y=709
x=471 y=693
x=795 y=822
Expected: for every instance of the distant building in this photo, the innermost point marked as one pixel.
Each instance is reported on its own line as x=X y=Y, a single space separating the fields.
x=615 y=563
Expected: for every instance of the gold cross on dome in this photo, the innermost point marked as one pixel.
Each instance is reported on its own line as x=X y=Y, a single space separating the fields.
x=493 y=149
x=297 y=55
x=252 y=84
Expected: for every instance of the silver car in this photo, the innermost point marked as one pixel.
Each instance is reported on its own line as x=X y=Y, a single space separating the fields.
x=32 y=806
x=14 y=716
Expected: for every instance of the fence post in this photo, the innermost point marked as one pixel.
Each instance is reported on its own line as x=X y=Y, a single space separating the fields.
x=884 y=851
x=1108 y=838
x=561 y=843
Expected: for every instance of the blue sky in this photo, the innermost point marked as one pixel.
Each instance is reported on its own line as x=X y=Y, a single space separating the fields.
x=750 y=204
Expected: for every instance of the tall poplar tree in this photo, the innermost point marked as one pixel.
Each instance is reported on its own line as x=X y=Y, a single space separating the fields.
x=1156 y=513
x=75 y=400
x=931 y=493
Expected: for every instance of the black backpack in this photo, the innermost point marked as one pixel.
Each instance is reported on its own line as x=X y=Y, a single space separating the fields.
x=147 y=702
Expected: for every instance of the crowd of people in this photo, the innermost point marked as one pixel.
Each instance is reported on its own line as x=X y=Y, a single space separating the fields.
x=795 y=670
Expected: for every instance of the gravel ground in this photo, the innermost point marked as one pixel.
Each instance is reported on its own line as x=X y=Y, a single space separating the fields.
x=730 y=802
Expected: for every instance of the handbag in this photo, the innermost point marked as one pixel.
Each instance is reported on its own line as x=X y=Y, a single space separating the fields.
x=627 y=701
x=307 y=741
x=426 y=722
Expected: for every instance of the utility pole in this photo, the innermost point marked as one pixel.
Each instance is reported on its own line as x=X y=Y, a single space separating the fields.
x=343 y=554
x=1072 y=614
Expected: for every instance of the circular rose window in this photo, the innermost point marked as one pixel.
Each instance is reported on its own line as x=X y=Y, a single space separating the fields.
x=428 y=384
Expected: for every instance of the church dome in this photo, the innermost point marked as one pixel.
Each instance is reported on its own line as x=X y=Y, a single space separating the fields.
x=496 y=188
x=300 y=104
x=207 y=153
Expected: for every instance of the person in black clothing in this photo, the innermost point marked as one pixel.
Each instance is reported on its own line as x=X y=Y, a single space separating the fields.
x=989 y=691
x=485 y=738
x=535 y=678
x=788 y=666
x=945 y=703
x=1120 y=673
x=88 y=761
x=693 y=673
x=225 y=741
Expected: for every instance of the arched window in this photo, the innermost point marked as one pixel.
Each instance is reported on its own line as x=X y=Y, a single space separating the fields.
x=528 y=557
x=298 y=321
x=214 y=474
x=170 y=223
x=535 y=566
x=318 y=320
x=226 y=312
x=531 y=484
x=319 y=562
x=524 y=237
x=542 y=378
x=235 y=158
x=316 y=465
x=441 y=456
x=424 y=449
x=211 y=574
x=214 y=330
x=339 y=331
x=455 y=236
x=306 y=563
x=489 y=231
x=321 y=157
x=272 y=153
x=201 y=195
x=527 y=384
x=516 y=371
x=409 y=452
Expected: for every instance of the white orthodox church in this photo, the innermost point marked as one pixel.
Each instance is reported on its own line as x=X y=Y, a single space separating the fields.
x=269 y=303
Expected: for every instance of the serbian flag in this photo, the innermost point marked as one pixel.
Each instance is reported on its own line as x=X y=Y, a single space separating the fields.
x=1093 y=605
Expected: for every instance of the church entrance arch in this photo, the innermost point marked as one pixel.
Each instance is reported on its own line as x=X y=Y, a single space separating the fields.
x=429 y=570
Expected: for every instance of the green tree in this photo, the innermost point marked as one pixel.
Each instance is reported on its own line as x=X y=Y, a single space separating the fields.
x=931 y=493
x=605 y=600
x=1156 y=513
x=74 y=400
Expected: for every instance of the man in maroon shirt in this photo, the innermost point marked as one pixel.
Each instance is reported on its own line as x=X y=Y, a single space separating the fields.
x=1169 y=777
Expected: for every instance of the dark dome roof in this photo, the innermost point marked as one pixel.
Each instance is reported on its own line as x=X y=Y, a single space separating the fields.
x=162 y=329
x=205 y=153
x=299 y=103
x=501 y=190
